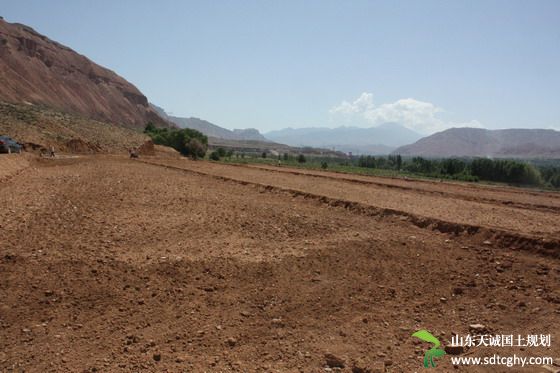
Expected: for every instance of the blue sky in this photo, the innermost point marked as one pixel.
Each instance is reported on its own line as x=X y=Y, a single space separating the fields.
x=428 y=65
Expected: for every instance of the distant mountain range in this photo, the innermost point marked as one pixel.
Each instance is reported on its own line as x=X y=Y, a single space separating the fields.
x=35 y=69
x=477 y=142
x=211 y=129
x=374 y=140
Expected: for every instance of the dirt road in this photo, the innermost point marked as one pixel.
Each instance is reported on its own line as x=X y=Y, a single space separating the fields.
x=110 y=265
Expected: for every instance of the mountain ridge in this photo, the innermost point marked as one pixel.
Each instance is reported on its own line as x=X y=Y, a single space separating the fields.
x=211 y=129
x=372 y=140
x=479 y=142
x=35 y=69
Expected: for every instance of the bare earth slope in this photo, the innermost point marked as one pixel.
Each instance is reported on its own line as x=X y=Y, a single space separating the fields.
x=38 y=70
x=114 y=265
x=39 y=127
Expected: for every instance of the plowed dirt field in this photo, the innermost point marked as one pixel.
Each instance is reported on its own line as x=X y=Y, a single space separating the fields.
x=168 y=265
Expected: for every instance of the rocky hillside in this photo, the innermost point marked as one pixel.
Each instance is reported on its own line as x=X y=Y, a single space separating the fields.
x=477 y=142
x=39 y=128
x=35 y=69
x=212 y=130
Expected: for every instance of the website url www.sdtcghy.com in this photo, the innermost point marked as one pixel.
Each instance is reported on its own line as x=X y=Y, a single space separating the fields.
x=508 y=361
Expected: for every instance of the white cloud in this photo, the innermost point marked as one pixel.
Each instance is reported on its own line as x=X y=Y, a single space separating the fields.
x=363 y=104
x=417 y=115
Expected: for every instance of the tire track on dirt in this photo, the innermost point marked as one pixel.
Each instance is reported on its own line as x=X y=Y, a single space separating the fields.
x=472 y=186
x=500 y=237
x=524 y=221
x=12 y=165
x=509 y=203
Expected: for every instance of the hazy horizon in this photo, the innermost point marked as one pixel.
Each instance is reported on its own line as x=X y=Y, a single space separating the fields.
x=425 y=65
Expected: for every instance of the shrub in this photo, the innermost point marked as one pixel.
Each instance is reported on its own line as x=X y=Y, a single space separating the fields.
x=301 y=158
x=214 y=156
x=195 y=149
x=555 y=181
x=221 y=152
x=188 y=142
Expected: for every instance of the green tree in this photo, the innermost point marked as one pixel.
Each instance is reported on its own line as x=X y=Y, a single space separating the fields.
x=149 y=127
x=214 y=156
x=187 y=141
x=505 y=170
x=452 y=166
x=221 y=152
x=195 y=149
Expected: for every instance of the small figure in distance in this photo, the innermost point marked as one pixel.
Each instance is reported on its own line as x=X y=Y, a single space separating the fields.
x=133 y=153
x=52 y=152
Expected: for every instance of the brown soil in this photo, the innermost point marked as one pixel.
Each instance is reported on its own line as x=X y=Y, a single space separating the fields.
x=111 y=264
x=147 y=148
x=80 y=146
x=447 y=203
x=12 y=164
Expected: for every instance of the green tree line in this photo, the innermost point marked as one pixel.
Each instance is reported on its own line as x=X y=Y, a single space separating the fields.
x=189 y=142
x=501 y=170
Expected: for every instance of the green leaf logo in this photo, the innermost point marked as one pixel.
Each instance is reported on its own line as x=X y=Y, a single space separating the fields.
x=435 y=351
